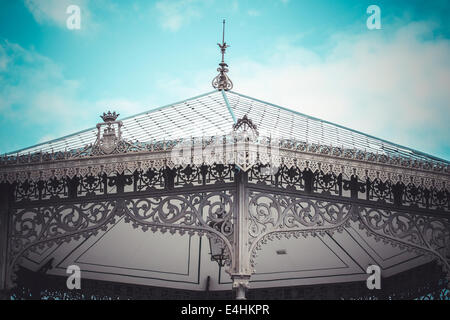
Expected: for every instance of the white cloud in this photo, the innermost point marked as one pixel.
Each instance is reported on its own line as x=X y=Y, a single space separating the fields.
x=254 y=13
x=394 y=87
x=176 y=13
x=4 y=59
x=33 y=88
x=54 y=11
x=36 y=97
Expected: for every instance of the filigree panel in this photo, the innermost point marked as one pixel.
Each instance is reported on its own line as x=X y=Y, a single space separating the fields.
x=93 y=183
x=204 y=213
x=34 y=228
x=199 y=212
x=276 y=215
x=420 y=233
x=323 y=180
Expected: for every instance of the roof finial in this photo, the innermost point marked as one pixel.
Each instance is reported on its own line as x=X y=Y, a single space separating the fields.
x=221 y=81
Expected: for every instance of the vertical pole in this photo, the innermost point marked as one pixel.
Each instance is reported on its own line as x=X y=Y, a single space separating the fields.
x=241 y=270
x=5 y=208
x=223 y=41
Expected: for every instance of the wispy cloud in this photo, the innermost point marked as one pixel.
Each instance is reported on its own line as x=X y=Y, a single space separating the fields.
x=176 y=13
x=394 y=87
x=37 y=97
x=31 y=84
x=254 y=13
x=54 y=11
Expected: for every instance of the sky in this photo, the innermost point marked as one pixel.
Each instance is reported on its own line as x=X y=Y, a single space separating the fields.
x=316 y=57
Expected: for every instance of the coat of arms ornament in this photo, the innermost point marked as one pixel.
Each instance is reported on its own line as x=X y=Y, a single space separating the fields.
x=108 y=142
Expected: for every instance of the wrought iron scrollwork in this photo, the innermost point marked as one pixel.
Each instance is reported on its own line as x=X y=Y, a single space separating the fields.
x=222 y=81
x=327 y=183
x=209 y=213
x=277 y=215
x=381 y=191
x=92 y=184
x=415 y=195
x=148 y=180
x=424 y=234
x=221 y=173
x=26 y=190
x=45 y=226
x=189 y=175
x=201 y=212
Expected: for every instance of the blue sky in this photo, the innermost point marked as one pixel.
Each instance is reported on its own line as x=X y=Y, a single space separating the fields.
x=316 y=57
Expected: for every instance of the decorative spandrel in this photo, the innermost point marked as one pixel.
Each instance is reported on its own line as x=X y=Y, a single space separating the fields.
x=209 y=213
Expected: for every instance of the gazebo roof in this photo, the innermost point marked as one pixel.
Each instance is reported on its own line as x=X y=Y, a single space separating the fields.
x=215 y=112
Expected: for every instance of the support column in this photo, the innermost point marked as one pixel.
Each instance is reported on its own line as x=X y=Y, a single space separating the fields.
x=5 y=208
x=446 y=256
x=241 y=269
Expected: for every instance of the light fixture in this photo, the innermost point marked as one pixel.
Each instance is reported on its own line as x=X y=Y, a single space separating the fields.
x=217 y=251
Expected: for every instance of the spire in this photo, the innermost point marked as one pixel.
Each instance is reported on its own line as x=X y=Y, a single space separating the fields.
x=221 y=81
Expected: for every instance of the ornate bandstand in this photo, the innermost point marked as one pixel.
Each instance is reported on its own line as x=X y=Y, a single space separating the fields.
x=223 y=196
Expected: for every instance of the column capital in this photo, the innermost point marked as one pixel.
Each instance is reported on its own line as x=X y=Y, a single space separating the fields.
x=241 y=282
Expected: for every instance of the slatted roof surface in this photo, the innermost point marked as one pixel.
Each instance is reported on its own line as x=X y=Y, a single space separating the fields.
x=215 y=112
x=278 y=121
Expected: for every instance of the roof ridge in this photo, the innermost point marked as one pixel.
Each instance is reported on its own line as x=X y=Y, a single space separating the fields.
x=228 y=106
x=343 y=127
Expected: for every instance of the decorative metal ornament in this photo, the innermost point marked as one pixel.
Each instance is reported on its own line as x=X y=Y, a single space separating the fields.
x=222 y=81
x=245 y=144
x=246 y=125
x=109 y=141
x=109 y=117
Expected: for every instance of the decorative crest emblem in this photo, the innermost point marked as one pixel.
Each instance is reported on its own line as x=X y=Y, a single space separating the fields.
x=109 y=141
x=109 y=117
x=222 y=81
